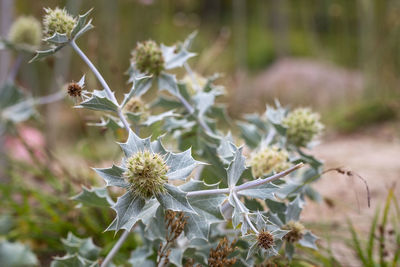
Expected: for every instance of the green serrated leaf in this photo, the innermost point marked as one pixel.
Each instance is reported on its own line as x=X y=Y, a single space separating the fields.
x=159 y=117
x=264 y=191
x=180 y=165
x=99 y=101
x=112 y=176
x=308 y=240
x=16 y=254
x=128 y=208
x=58 y=39
x=168 y=82
x=173 y=58
x=84 y=247
x=72 y=261
x=236 y=168
x=81 y=26
x=94 y=197
x=45 y=53
x=174 y=199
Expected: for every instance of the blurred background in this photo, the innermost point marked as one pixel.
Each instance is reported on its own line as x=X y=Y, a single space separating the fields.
x=342 y=57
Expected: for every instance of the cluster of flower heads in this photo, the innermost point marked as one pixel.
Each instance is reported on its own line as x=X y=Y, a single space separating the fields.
x=26 y=30
x=146 y=174
x=268 y=160
x=148 y=58
x=58 y=21
x=302 y=126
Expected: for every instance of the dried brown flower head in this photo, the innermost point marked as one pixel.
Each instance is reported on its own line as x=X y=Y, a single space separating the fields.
x=265 y=239
x=219 y=255
x=74 y=89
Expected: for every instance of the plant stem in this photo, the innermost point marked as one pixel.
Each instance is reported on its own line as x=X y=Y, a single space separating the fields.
x=244 y=212
x=111 y=96
x=247 y=185
x=115 y=249
x=107 y=89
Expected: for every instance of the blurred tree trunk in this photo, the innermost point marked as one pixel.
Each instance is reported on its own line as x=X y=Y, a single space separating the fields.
x=368 y=50
x=280 y=28
x=6 y=16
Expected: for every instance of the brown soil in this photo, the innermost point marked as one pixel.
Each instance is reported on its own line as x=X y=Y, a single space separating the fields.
x=374 y=155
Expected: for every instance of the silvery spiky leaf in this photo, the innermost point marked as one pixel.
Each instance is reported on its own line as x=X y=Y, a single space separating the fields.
x=83 y=247
x=129 y=207
x=73 y=261
x=236 y=168
x=97 y=197
x=207 y=208
x=16 y=254
x=226 y=149
x=250 y=133
x=174 y=56
x=140 y=85
x=99 y=101
x=139 y=257
x=263 y=191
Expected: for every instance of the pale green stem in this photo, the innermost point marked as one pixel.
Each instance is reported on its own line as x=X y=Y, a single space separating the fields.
x=107 y=89
x=243 y=212
x=111 y=96
x=247 y=185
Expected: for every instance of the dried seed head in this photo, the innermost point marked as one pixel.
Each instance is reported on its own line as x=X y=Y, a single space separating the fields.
x=268 y=160
x=219 y=257
x=148 y=58
x=58 y=20
x=74 y=89
x=296 y=231
x=194 y=82
x=135 y=105
x=26 y=31
x=265 y=239
x=303 y=125
x=146 y=174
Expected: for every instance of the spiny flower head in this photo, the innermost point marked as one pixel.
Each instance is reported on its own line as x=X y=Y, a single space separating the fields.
x=265 y=240
x=296 y=231
x=191 y=82
x=269 y=159
x=26 y=30
x=58 y=20
x=146 y=174
x=74 y=89
x=302 y=126
x=135 y=105
x=148 y=58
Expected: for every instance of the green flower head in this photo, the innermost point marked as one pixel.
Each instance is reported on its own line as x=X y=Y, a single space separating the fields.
x=58 y=20
x=269 y=159
x=148 y=58
x=146 y=174
x=26 y=30
x=135 y=105
x=296 y=231
x=302 y=126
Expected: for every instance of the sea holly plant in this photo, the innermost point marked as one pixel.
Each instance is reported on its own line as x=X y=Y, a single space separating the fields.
x=187 y=207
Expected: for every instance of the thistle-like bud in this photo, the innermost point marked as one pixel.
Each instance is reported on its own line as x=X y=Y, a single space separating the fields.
x=135 y=105
x=190 y=82
x=148 y=58
x=269 y=159
x=265 y=239
x=74 y=89
x=146 y=174
x=296 y=231
x=26 y=31
x=58 y=20
x=303 y=125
